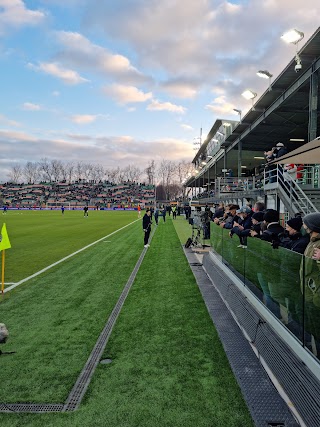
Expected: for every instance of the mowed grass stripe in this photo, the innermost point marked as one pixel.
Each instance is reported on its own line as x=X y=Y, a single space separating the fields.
x=169 y=367
x=40 y=238
x=55 y=320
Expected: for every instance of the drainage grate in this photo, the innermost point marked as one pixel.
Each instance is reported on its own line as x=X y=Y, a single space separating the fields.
x=31 y=407
x=85 y=376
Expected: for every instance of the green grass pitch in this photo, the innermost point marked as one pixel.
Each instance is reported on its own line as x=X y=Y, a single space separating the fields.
x=168 y=369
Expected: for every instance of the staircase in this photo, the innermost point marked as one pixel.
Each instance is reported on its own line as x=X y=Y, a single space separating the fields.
x=293 y=196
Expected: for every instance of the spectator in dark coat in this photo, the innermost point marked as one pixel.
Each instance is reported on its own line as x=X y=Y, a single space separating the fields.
x=273 y=228
x=292 y=238
x=243 y=226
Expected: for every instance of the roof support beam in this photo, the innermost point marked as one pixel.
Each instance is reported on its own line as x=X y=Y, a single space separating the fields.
x=285 y=95
x=313 y=106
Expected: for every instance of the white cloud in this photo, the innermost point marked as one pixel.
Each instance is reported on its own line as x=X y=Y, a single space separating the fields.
x=56 y=93
x=29 y=106
x=84 y=119
x=220 y=106
x=81 y=52
x=14 y=14
x=9 y=122
x=54 y=69
x=126 y=94
x=180 y=89
x=186 y=127
x=166 y=106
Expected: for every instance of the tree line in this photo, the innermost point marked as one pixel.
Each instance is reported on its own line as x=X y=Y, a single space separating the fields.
x=168 y=176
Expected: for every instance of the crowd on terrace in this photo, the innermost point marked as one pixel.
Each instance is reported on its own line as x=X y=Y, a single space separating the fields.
x=77 y=194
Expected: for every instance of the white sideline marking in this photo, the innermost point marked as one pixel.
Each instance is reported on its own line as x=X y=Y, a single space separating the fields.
x=63 y=259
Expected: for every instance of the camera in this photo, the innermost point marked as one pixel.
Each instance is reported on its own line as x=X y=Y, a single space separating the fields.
x=298 y=68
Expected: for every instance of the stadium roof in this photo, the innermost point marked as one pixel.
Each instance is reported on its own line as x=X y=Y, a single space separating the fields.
x=281 y=113
x=307 y=154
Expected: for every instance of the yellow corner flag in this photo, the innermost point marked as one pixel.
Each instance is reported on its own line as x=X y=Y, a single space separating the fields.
x=4 y=239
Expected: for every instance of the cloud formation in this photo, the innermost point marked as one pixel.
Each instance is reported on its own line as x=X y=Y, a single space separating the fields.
x=126 y=94
x=54 y=69
x=14 y=14
x=156 y=105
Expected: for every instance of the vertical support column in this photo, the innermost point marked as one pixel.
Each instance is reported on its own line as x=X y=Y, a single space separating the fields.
x=313 y=106
x=239 y=159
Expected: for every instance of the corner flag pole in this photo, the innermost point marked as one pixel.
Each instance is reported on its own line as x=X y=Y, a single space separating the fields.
x=4 y=244
x=2 y=275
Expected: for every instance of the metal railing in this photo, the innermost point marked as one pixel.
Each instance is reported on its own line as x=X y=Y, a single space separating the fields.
x=289 y=190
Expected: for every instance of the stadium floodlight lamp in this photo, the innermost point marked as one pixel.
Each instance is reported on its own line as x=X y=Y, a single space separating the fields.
x=264 y=74
x=196 y=171
x=238 y=112
x=226 y=124
x=297 y=139
x=214 y=140
x=203 y=162
x=292 y=36
x=249 y=94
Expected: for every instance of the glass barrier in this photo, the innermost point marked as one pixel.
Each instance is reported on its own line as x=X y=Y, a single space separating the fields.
x=233 y=253
x=310 y=284
x=286 y=282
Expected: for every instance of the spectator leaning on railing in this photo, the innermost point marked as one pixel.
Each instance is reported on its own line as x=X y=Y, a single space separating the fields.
x=292 y=238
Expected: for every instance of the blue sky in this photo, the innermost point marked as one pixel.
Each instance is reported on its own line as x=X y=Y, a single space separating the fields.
x=127 y=81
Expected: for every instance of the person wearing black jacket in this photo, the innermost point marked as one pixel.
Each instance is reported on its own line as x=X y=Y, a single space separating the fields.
x=292 y=238
x=146 y=225
x=273 y=228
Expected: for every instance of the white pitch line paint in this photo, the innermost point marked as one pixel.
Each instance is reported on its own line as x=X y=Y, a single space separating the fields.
x=65 y=258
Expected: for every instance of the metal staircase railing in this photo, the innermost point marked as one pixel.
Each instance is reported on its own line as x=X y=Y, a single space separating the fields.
x=288 y=190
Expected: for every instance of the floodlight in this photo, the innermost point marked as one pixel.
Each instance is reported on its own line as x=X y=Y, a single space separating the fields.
x=226 y=124
x=203 y=163
x=220 y=133
x=264 y=74
x=214 y=140
x=292 y=36
x=249 y=94
x=297 y=139
x=259 y=157
x=244 y=167
x=238 y=111
x=209 y=157
x=196 y=171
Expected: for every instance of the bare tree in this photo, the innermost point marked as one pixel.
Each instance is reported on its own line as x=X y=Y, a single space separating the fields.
x=97 y=173
x=44 y=167
x=79 y=171
x=166 y=171
x=15 y=174
x=131 y=173
x=31 y=172
x=56 y=169
x=113 y=175
x=151 y=172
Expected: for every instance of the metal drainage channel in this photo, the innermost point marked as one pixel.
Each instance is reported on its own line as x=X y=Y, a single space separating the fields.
x=266 y=407
x=78 y=391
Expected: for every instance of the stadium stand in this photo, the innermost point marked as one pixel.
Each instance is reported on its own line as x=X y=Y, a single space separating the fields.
x=76 y=195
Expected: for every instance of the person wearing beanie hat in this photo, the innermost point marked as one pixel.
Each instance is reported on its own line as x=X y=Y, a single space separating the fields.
x=258 y=216
x=274 y=229
x=312 y=222
x=292 y=238
x=295 y=223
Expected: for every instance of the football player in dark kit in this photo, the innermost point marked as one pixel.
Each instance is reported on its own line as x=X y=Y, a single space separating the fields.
x=146 y=225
